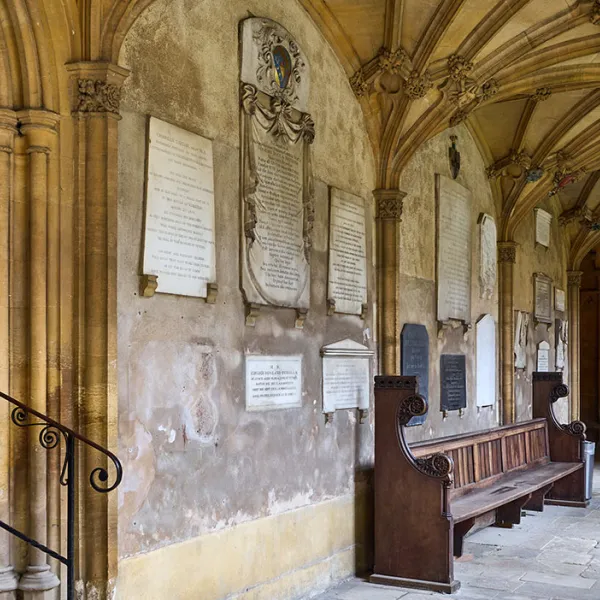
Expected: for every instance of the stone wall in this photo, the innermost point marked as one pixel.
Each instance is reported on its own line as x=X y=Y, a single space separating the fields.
x=203 y=475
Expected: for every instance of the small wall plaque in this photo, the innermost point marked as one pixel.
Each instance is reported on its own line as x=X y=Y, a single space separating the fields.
x=559 y=299
x=542 y=294
x=543 y=220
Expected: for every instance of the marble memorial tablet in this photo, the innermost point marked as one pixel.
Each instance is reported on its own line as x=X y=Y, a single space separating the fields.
x=415 y=360
x=179 y=238
x=543 y=298
x=559 y=299
x=453 y=377
x=543 y=220
x=543 y=357
x=453 y=250
x=346 y=376
x=486 y=361
x=273 y=382
x=487 y=256
x=520 y=348
x=347 y=283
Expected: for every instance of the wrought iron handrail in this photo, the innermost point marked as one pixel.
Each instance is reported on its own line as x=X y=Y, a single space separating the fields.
x=50 y=436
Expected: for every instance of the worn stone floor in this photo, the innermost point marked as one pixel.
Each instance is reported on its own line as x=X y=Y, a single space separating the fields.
x=554 y=555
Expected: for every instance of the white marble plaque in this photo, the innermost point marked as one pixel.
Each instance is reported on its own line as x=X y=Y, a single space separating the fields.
x=487 y=256
x=562 y=339
x=347 y=282
x=543 y=220
x=273 y=382
x=179 y=239
x=543 y=357
x=453 y=251
x=346 y=376
x=559 y=299
x=521 y=329
x=486 y=361
x=543 y=298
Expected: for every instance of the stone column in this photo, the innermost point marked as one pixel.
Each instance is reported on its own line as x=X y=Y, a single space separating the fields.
x=574 y=283
x=39 y=128
x=8 y=123
x=388 y=215
x=507 y=257
x=96 y=89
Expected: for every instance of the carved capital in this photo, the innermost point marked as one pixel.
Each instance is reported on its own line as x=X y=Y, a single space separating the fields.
x=541 y=94
x=389 y=204
x=459 y=67
x=574 y=278
x=507 y=252
x=417 y=85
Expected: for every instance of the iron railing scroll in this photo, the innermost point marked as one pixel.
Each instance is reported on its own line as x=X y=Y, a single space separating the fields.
x=50 y=436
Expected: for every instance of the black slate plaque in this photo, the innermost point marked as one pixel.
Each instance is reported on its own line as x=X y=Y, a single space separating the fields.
x=453 y=375
x=415 y=360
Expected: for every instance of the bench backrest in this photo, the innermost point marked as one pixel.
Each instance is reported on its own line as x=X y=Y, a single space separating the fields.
x=481 y=457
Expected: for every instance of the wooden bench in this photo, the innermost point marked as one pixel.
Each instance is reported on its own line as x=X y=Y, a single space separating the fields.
x=430 y=495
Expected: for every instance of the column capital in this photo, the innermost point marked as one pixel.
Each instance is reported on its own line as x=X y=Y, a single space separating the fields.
x=39 y=127
x=507 y=252
x=388 y=204
x=96 y=87
x=574 y=278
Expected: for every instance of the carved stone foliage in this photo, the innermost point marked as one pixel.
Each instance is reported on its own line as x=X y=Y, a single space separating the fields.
x=459 y=67
x=542 y=94
x=507 y=252
x=418 y=85
x=389 y=204
x=97 y=96
x=574 y=278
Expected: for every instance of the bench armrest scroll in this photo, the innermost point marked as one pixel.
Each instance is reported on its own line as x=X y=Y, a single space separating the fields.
x=575 y=428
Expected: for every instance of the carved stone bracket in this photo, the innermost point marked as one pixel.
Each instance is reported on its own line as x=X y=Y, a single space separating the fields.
x=148 y=285
x=252 y=312
x=389 y=204
x=301 y=314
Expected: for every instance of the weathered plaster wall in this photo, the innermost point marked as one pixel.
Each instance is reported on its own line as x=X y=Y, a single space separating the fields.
x=418 y=268
x=552 y=261
x=196 y=462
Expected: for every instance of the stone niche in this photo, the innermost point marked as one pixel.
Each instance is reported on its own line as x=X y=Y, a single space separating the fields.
x=277 y=192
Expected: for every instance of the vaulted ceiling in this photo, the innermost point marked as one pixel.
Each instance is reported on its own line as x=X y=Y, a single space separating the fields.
x=523 y=75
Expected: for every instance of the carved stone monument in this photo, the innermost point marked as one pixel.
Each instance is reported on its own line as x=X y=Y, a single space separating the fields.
x=415 y=360
x=486 y=361
x=347 y=281
x=346 y=377
x=273 y=382
x=543 y=357
x=277 y=188
x=453 y=251
x=543 y=220
x=488 y=267
x=562 y=340
x=179 y=233
x=521 y=329
x=453 y=377
x=542 y=298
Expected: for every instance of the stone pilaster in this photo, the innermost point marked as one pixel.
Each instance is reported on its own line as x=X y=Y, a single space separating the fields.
x=388 y=206
x=95 y=92
x=574 y=286
x=8 y=130
x=507 y=257
x=38 y=127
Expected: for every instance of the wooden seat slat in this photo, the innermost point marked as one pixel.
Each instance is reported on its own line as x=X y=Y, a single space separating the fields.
x=508 y=488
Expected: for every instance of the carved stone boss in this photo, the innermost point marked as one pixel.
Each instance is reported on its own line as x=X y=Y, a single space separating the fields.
x=179 y=232
x=347 y=281
x=277 y=189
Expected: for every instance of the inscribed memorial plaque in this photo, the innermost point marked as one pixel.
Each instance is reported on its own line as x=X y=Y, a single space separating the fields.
x=415 y=361
x=179 y=239
x=559 y=299
x=543 y=220
x=277 y=190
x=453 y=376
x=543 y=357
x=487 y=256
x=347 y=283
x=346 y=376
x=273 y=382
x=453 y=251
x=486 y=361
x=543 y=298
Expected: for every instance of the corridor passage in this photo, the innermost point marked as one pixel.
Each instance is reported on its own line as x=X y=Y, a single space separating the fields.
x=554 y=555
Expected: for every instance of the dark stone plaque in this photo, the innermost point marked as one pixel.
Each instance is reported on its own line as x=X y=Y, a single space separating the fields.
x=453 y=375
x=415 y=360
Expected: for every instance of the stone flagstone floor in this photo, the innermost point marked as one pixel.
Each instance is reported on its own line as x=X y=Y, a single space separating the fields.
x=554 y=555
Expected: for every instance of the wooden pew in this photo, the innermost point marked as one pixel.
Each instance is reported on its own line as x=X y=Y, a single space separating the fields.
x=428 y=496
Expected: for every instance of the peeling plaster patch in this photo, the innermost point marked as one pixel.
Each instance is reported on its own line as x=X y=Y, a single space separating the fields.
x=298 y=501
